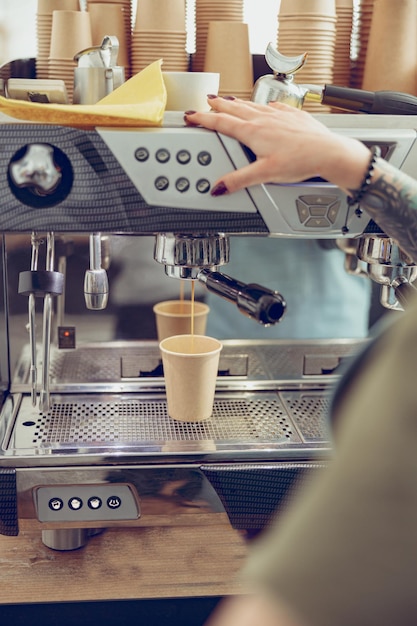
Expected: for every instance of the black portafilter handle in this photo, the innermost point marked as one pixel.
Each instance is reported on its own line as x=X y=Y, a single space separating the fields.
x=375 y=102
x=264 y=305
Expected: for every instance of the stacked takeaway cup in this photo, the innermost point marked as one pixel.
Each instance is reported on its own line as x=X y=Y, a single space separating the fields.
x=391 y=57
x=159 y=33
x=365 y=11
x=45 y=9
x=70 y=33
x=228 y=54
x=207 y=11
x=342 y=53
x=309 y=26
x=112 y=18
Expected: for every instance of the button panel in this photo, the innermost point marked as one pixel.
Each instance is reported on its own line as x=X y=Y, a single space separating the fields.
x=317 y=211
x=86 y=503
x=173 y=168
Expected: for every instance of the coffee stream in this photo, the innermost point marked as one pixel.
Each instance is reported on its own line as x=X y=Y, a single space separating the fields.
x=182 y=300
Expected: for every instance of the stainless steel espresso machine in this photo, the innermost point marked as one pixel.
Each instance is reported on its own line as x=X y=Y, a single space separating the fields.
x=85 y=439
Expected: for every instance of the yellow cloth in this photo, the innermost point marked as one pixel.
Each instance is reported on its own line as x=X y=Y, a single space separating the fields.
x=140 y=101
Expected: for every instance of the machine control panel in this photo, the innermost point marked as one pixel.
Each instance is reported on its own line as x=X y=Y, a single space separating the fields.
x=170 y=167
x=86 y=503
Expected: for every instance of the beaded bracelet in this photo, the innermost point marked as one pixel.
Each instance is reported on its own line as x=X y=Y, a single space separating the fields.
x=359 y=193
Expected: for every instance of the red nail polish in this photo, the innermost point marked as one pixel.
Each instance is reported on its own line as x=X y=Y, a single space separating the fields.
x=211 y=96
x=229 y=98
x=189 y=112
x=219 y=190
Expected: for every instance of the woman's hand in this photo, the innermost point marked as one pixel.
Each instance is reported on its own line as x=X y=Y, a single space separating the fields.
x=290 y=145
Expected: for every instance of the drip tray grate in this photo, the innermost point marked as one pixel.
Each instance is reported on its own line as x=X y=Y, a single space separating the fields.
x=240 y=421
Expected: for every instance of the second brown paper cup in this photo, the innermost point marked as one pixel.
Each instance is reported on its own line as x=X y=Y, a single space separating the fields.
x=173 y=317
x=191 y=364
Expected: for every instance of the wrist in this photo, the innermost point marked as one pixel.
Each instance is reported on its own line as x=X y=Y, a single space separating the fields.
x=345 y=163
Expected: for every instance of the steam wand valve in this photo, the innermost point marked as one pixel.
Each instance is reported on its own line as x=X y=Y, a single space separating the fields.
x=264 y=305
x=96 y=284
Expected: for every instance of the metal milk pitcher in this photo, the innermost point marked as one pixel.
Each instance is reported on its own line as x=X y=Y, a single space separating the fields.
x=97 y=73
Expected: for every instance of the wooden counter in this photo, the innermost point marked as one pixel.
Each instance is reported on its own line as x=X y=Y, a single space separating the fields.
x=124 y=563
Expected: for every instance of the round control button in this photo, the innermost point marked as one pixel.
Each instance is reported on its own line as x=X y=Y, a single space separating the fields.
x=203 y=185
x=141 y=154
x=162 y=183
x=55 y=504
x=94 y=502
x=204 y=157
x=182 y=184
x=183 y=157
x=114 y=502
x=75 y=503
x=162 y=155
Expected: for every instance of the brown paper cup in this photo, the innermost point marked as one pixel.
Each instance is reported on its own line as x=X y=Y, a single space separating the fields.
x=71 y=33
x=160 y=14
x=191 y=364
x=308 y=6
x=228 y=53
x=392 y=47
x=110 y=19
x=173 y=317
x=48 y=6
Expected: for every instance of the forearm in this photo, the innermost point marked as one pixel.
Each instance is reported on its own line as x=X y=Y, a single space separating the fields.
x=390 y=198
x=391 y=202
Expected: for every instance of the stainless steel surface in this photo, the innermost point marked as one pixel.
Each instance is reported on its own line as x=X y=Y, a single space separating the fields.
x=110 y=400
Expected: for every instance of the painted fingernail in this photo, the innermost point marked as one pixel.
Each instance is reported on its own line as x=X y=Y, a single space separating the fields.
x=229 y=98
x=211 y=96
x=219 y=190
x=189 y=112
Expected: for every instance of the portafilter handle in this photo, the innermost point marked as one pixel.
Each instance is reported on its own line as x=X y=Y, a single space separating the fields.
x=260 y=303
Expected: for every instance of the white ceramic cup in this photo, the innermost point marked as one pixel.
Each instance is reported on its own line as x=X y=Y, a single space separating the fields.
x=187 y=91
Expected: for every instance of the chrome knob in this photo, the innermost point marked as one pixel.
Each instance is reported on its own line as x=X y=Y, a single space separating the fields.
x=36 y=169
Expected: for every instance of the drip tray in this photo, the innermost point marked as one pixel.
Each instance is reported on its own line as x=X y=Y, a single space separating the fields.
x=140 y=423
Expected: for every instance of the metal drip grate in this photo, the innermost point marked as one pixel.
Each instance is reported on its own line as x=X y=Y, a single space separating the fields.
x=241 y=420
x=309 y=412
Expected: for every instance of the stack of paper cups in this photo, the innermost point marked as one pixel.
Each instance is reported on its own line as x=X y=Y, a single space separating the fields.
x=228 y=54
x=112 y=18
x=44 y=28
x=71 y=33
x=391 y=58
x=365 y=12
x=309 y=26
x=207 y=11
x=342 y=52
x=160 y=33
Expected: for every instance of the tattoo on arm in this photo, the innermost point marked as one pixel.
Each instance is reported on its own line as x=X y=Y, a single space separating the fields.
x=391 y=201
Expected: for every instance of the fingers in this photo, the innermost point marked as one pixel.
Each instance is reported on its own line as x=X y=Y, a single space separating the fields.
x=247 y=176
x=220 y=122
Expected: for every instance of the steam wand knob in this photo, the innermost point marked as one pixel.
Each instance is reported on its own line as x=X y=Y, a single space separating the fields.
x=264 y=305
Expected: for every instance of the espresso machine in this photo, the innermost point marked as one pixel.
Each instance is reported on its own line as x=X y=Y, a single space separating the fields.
x=85 y=439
